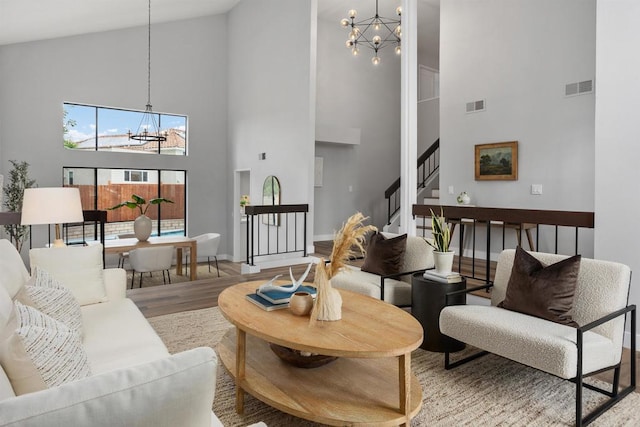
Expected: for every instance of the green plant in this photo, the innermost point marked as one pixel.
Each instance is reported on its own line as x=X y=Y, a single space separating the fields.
x=441 y=233
x=140 y=203
x=13 y=195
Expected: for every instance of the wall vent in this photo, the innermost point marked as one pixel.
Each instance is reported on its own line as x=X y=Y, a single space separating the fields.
x=475 y=106
x=578 y=88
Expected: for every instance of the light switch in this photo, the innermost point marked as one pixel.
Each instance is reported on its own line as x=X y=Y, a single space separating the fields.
x=536 y=189
x=451 y=189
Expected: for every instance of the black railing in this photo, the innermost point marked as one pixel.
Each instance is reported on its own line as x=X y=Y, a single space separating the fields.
x=275 y=230
x=522 y=221
x=428 y=164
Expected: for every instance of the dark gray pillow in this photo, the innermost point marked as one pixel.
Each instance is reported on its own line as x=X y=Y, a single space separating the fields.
x=542 y=291
x=385 y=256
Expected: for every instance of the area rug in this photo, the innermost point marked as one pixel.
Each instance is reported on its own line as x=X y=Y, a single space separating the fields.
x=490 y=391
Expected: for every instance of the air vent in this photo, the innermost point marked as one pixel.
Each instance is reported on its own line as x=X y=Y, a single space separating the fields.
x=579 y=88
x=475 y=106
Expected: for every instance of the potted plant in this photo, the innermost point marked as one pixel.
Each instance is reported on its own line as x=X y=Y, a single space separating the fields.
x=13 y=194
x=142 y=224
x=442 y=256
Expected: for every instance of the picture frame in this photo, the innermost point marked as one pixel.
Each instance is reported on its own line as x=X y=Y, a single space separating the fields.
x=497 y=161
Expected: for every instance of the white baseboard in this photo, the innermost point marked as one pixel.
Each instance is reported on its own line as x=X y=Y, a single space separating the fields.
x=323 y=237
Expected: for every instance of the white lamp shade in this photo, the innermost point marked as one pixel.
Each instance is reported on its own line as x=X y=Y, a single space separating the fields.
x=54 y=205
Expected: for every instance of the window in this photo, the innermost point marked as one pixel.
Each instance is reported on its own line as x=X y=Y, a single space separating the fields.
x=103 y=188
x=94 y=128
x=136 y=176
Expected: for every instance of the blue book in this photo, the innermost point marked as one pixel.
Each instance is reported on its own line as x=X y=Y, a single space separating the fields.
x=264 y=304
x=280 y=297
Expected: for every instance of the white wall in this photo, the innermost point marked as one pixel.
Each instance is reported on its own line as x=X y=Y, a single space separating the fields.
x=189 y=76
x=271 y=98
x=518 y=56
x=352 y=93
x=616 y=136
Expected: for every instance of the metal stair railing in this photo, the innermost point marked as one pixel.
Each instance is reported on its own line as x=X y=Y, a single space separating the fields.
x=428 y=164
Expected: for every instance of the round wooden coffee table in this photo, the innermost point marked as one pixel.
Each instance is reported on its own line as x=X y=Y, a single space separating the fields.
x=373 y=342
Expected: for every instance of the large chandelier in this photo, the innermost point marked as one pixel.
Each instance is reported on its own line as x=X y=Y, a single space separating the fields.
x=375 y=33
x=148 y=130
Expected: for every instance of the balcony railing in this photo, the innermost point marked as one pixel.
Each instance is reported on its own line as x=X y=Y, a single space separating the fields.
x=276 y=230
x=545 y=230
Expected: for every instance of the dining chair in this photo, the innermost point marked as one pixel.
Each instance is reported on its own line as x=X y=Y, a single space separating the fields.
x=207 y=245
x=124 y=256
x=146 y=260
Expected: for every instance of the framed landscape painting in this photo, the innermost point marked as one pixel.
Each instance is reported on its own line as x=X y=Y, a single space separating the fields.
x=498 y=161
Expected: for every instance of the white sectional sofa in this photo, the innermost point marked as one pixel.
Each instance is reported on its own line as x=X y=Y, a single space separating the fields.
x=134 y=380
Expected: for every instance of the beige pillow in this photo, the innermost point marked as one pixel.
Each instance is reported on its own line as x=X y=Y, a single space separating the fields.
x=38 y=352
x=78 y=268
x=49 y=296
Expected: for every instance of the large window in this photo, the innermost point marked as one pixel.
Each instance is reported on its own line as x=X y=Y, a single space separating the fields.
x=104 y=188
x=89 y=127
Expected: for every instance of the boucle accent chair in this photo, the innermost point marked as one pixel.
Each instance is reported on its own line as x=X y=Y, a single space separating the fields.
x=392 y=288
x=599 y=308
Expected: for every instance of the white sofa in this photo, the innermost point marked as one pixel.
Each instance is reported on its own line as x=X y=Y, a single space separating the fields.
x=134 y=381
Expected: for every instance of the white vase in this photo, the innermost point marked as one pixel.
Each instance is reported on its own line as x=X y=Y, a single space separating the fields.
x=142 y=228
x=443 y=261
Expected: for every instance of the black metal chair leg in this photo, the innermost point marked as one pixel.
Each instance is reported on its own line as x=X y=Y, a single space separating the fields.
x=140 y=280
x=217 y=269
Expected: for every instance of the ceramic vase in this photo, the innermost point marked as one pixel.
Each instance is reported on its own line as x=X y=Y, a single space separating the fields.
x=443 y=262
x=328 y=306
x=142 y=228
x=301 y=303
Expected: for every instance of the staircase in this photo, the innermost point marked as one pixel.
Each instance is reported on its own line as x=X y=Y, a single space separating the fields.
x=428 y=166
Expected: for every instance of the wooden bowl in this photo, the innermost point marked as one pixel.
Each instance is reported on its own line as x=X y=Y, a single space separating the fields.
x=293 y=357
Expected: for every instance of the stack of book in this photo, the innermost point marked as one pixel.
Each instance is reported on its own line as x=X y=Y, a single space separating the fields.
x=275 y=300
x=452 y=277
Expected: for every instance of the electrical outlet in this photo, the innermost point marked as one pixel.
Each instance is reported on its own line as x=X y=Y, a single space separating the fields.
x=536 y=189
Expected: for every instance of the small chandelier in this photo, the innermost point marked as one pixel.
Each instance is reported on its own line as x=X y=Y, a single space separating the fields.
x=148 y=130
x=375 y=33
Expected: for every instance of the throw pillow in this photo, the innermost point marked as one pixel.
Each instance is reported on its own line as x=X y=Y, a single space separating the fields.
x=385 y=256
x=78 y=268
x=542 y=291
x=50 y=297
x=38 y=352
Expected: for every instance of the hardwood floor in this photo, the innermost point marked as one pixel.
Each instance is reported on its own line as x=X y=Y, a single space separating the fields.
x=160 y=300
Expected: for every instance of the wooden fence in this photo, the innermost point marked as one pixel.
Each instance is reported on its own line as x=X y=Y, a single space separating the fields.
x=113 y=194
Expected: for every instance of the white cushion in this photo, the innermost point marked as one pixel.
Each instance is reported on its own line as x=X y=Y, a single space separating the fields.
x=176 y=391
x=603 y=287
x=536 y=342
x=117 y=335
x=6 y=307
x=78 y=268
x=14 y=274
x=37 y=351
x=48 y=296
x=353 y=279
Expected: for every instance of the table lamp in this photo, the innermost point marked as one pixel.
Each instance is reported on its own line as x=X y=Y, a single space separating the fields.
x=54 y=205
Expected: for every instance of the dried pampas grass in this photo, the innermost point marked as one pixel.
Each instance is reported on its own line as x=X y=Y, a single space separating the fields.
x=328 y=306
x=352 y=235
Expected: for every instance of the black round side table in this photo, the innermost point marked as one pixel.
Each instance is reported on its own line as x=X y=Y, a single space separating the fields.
x=428 y=298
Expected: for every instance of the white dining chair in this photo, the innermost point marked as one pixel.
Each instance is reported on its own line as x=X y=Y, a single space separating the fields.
x=146 y=260
x=207 y=245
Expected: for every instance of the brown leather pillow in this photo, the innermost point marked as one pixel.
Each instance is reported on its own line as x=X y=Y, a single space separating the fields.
x=385 y=256
x=542 y=291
